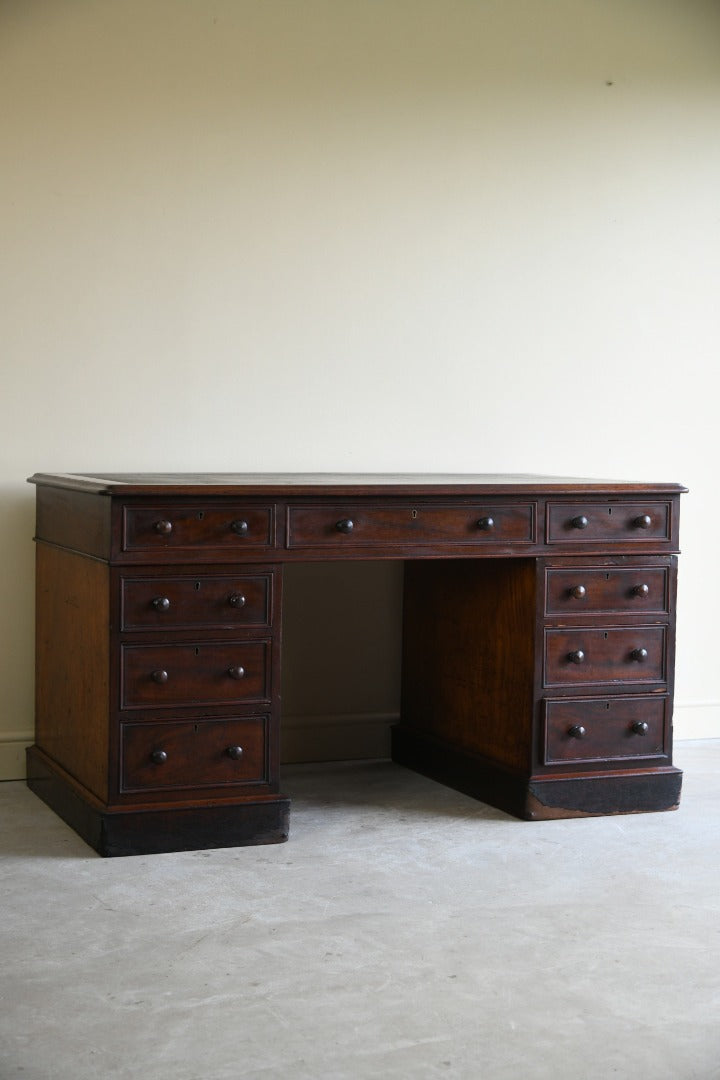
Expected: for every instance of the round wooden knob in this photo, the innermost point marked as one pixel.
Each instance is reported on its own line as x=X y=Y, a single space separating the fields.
x=161 y=603
x=577 y=657
x=158 y=757
x=641 y=590
x=577 y=731
x=164 y=527
x=639 y=727
x=345 y=525
x=643 y=522
x=240 y=528
x=639 y=655
x=486 y=523
x=235 y=752
x=236 y=599
x=160 y=676
x=236 y=672
x=580 y=522
x=579 y=592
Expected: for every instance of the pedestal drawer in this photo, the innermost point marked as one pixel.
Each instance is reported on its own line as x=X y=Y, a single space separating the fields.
x=209 y=673
x=171 y=603
x=593 y=655
x=193 y=754
x=574 y=592
x=602 y=729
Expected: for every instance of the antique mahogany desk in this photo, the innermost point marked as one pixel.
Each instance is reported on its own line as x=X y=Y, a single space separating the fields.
x=538 y=643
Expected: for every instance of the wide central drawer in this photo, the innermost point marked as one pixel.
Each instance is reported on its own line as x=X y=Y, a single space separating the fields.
x=164 y=603
x=593 y=655
x=347 y=525
x=193 y=754
x=210 y=673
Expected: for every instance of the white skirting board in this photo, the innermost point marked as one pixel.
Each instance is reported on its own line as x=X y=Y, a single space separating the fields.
x=336 y=738
x=360 y=735
x=367 y=735
x=12 y=754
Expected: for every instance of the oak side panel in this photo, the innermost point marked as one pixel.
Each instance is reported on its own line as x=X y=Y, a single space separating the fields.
x=469 y=655
x=72 y=664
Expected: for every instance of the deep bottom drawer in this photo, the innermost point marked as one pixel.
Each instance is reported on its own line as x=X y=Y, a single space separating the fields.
x=605 y=729
x=193 y=753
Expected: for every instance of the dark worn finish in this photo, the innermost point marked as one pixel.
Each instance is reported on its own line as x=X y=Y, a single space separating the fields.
x=202 y=673
x=539 y=798
x=383 y=524
x=469 y=655
x=597 y=655
x=596 y=522
x=193 y=754
x=75 y=520
x=603 y=729
x=587 y=591
x=162 y=603
x=72 y=693
x=285 y=485
x=150 y=830
x=594 y=795
x=207 y=525
x=538 y=643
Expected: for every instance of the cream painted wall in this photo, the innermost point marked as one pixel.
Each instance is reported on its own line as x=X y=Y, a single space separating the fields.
x=360 y=234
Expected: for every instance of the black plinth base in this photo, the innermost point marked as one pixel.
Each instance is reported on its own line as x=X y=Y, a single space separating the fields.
x=538 y=798
x=150 y=831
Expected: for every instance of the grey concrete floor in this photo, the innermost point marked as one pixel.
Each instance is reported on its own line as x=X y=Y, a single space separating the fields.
x=404 y=931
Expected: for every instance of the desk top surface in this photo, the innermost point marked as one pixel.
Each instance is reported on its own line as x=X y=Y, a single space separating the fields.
x=346 y=484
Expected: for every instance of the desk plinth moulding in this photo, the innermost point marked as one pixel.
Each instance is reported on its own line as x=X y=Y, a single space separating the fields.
x=538 y=643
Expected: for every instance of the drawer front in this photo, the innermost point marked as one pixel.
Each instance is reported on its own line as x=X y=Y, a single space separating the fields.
x=170 y=603
x=589 y=522
x=192 y=754
x=348 y=526
x=575 y=592
x=209 y=673
x=601 y=729
x=625 y=655
x=170 y=527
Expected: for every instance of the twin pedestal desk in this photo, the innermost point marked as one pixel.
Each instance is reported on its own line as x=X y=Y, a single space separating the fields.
x=538 y=643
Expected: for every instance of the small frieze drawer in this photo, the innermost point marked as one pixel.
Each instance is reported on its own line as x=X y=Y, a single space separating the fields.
x=209 y=673
x=193 y=754
x=343 y=527
x=593 y=655
x=605 y=729
x=624 y=522
x=170 y=603
x=583 y=591
x=183 y=527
